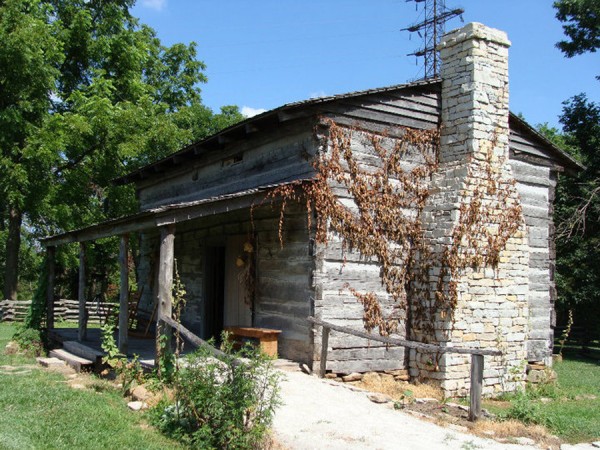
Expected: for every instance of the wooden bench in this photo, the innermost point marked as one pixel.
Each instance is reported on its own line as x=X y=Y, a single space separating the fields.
x=266 y=337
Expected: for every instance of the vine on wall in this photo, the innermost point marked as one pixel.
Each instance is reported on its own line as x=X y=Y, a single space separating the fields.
x=375 y=206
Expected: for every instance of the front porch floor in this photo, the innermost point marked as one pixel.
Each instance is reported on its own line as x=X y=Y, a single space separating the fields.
x=142 y=347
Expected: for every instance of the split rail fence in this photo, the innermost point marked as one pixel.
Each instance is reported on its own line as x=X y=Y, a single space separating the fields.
x=64 y=309
x=476 y=357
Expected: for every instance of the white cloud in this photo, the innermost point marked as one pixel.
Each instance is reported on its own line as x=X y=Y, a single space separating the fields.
x=157 y=5
x=318 y=94
x=251 y=112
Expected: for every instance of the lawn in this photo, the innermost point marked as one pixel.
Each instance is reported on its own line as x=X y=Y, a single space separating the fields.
x=571 y=408
x=39 y=410
x=575 y=412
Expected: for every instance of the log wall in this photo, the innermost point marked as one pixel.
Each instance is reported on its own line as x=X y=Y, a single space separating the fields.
x=268 y=158
x=536 y=184
x=337 y=270
x=284 y=289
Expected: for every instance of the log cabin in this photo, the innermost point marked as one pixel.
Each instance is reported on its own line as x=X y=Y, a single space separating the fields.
x=247 y=262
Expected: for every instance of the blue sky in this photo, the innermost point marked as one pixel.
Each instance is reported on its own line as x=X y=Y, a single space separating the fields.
x=262 y=54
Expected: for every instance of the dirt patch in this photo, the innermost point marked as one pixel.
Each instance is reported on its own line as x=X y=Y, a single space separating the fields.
x=16 y=370
x=511 y=430
x=397 y=390
x=426 y=401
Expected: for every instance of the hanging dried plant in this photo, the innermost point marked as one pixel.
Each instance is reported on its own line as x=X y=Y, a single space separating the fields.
x=381 y=218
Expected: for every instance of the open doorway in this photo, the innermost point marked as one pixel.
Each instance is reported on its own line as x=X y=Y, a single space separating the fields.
x=238 y=311
x=214 y=290
x=226 y=304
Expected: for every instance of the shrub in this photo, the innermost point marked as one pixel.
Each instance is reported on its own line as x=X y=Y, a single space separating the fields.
x=30 y=340
x=219 y=403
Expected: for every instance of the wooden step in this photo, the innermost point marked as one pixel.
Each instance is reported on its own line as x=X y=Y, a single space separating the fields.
x=83 y=351
x=74 y=361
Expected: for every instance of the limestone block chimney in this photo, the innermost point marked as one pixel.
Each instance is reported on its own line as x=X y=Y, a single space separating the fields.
x=474 y=91
x=477 y=288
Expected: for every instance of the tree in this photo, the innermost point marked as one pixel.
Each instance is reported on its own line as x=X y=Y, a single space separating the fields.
x=29 y=55
x=581 y=20
x=577 y=211
x=114 y=98
x=578 y=216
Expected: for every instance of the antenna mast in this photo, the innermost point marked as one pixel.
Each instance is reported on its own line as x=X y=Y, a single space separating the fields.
x=431 y=29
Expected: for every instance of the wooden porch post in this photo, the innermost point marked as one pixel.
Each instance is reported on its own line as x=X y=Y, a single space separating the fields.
x=124 y=294
x=165 y=284
x=82 y=331
x=50 y=273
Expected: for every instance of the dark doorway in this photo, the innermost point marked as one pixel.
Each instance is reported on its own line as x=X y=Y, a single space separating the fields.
x=214 y=271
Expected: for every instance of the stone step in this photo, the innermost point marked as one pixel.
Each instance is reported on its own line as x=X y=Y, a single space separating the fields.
x=74 y=361
x=83 y=351
x=49 y=362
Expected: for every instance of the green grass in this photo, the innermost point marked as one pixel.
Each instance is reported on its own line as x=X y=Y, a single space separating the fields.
x=569 y=414
x=39 y=410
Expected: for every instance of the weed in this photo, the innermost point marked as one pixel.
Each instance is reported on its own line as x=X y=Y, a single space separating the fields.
x=565 y=334
x=469 y=445
x=109 y=344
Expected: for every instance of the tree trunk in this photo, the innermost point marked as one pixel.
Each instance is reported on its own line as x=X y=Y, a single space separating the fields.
x=13 y=243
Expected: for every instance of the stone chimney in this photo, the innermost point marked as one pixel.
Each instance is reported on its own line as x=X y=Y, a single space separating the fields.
x=474 y=91
x=473 y=217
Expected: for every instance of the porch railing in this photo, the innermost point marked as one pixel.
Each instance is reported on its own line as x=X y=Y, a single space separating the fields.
x=195 y=340
x=476 y=357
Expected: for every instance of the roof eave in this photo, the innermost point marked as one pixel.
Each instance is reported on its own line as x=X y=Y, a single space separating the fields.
x=249 y=125
x=570 y=164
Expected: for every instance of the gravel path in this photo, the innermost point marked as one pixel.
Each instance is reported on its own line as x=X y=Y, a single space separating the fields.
x=321 y=414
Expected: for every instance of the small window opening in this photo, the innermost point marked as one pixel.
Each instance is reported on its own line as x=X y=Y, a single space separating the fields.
x=236 y=159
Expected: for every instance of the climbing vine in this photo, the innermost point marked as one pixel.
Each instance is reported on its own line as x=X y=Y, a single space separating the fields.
x=372 y=197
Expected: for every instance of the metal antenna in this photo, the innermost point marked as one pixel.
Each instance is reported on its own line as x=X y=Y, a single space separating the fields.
x=431 y=29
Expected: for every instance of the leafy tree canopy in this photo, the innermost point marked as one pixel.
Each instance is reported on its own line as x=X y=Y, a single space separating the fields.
x=87 y=94
x=581 y=20
x=577 y=215
x=577 y=211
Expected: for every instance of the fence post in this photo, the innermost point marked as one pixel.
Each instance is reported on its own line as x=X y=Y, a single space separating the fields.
x=476 y=387
x=324 y=345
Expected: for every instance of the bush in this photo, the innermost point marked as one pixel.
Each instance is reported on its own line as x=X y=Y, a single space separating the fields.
x=30 y=340
x=219 y=403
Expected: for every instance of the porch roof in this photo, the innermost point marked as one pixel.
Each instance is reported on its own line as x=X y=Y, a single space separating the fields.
x=164 y=215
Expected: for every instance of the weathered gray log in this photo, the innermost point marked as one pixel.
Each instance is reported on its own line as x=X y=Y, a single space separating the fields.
x=324 y=345
x=476 y=387
x=165 y=287
x=50 y=268
x=196 y=341
x=408 y=344
x=124 y=294
x=82 y=328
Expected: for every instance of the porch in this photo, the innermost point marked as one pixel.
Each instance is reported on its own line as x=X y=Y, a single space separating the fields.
x=143 y=347
x=207 y=238
x=164 y=221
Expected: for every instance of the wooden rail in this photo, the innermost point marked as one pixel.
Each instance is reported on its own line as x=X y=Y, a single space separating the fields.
x=64 y=309
x=476 y=357
x=197 y=342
